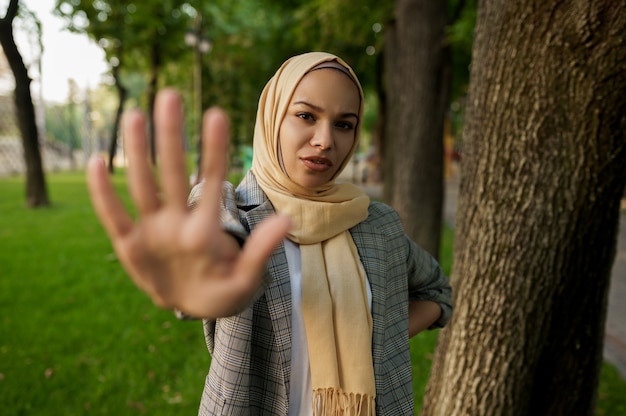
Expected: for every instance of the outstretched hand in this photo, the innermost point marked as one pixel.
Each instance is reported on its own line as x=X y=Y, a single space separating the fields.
x=181 y=258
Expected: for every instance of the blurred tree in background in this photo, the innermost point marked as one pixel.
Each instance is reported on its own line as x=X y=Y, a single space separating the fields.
x=36 y=190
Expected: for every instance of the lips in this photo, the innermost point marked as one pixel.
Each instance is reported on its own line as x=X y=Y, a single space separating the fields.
x=317 y=163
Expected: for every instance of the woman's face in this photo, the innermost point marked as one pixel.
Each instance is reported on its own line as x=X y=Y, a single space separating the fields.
x=319 y=127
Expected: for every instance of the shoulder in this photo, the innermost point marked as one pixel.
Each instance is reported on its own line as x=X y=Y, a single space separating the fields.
x=249 y=193
x=228 y=194
x=384 y=217
x=381 y=230
x=377 y=208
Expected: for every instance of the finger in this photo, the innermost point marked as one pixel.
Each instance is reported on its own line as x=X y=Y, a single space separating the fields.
x=214 y=155
x=226 y=297
x=168 y=124
x=143 y=188
x=107 y=205
x=260 y=245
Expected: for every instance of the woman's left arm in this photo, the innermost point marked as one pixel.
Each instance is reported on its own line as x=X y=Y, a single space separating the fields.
x=430 y=294
x=422 y=315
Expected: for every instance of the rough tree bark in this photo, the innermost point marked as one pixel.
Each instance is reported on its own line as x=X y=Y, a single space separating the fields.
x=417 y=78
x=541 y=181
x=36 y=191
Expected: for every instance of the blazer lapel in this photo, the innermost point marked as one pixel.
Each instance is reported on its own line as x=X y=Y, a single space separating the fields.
x=278 y=293
x=370 y=245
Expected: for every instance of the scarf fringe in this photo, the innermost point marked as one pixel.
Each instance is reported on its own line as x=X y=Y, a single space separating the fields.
x=336 y=402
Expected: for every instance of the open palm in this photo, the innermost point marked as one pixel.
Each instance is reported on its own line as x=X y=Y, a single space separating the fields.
x=181 y=258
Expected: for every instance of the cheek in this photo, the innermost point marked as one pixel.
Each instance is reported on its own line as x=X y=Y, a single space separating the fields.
x=288 y=143
x=283 y=146
x=281 y=162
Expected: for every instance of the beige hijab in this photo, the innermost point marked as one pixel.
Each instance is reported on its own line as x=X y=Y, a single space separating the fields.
x=334 y=298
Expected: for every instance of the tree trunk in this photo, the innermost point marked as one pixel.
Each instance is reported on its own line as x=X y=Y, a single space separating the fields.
x=122 y=94
x=541 y=181
x=155 y=68
x=36 y=191
x=378 y=133
x=417 y=77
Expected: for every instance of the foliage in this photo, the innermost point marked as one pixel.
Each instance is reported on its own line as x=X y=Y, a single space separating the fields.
x=352 y=31
x=127 y=31
x=243 y=59
x=66 y=122
x=27 y=23
x=250 y=39
x=136 y=37
x=63 y=121
x=461 y=38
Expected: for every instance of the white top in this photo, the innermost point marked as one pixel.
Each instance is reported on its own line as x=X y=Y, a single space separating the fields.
x=300 y=389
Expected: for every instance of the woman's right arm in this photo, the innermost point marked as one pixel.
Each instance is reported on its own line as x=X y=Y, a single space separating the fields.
x=182 y=258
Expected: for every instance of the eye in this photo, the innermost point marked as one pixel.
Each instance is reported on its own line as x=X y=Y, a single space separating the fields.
x=344 y=125
x=305 y=116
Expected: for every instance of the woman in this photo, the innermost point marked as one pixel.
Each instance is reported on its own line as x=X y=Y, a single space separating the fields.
x=311 y=312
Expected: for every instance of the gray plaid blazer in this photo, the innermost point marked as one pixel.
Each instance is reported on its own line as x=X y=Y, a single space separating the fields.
x=251 y=352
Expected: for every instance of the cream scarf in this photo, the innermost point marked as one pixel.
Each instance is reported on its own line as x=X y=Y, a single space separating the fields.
x=336 y=313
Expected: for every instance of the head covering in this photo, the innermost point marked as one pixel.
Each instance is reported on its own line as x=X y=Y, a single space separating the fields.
x=334 y=296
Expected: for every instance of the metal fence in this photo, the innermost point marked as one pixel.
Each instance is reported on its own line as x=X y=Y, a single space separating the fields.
x=56 y=156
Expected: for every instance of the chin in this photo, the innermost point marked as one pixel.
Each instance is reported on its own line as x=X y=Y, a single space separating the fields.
x=312 y=182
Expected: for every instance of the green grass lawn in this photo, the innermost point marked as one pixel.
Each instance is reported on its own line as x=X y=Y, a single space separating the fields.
x=76 y=337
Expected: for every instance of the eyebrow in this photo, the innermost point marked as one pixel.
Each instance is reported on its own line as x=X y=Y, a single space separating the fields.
x=320 y=109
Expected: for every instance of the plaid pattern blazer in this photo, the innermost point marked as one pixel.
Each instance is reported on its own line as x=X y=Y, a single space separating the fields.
x=251 y=352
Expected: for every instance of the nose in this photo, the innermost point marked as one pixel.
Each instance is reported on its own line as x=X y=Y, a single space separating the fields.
x=323 y=137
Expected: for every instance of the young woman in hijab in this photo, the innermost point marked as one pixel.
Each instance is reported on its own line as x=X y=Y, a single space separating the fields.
x=309 y=291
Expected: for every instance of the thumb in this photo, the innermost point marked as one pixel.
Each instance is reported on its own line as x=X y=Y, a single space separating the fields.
x=261 y=243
